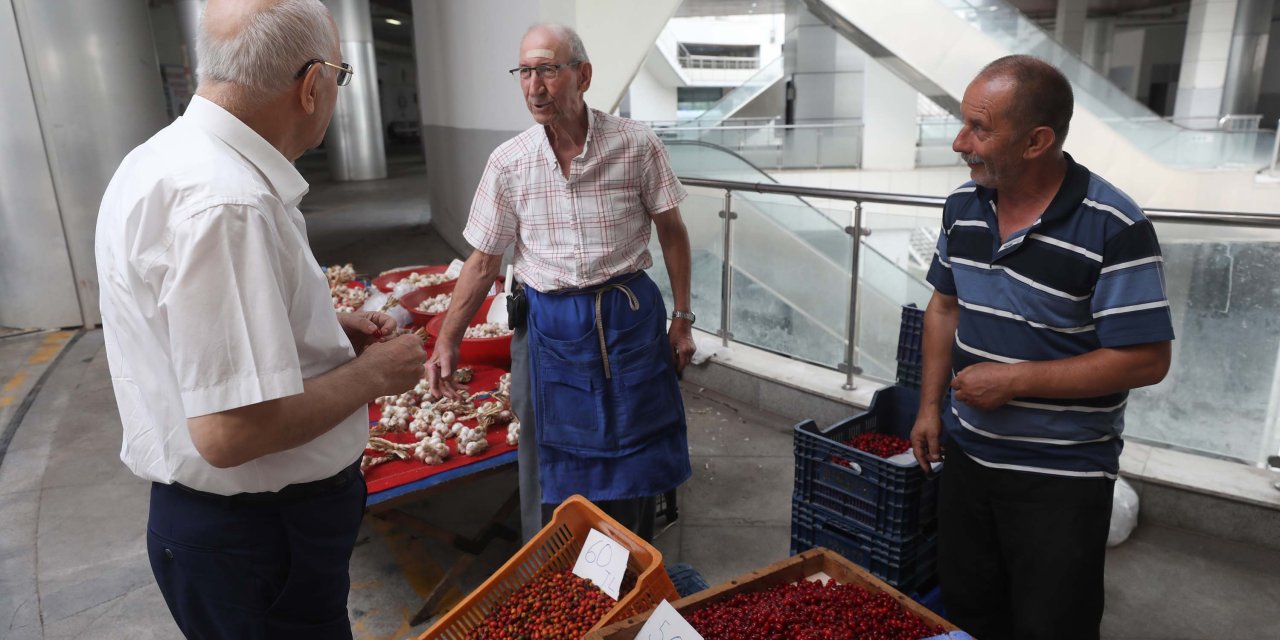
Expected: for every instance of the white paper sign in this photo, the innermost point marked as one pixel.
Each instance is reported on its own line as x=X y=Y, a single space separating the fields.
x=454 y=270
x=603 y=561
x=665 y=623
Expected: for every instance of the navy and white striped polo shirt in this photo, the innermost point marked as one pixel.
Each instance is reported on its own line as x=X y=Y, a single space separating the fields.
x=1086 y=275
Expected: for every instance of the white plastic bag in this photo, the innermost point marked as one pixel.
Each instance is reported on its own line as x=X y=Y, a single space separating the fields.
x=1124 y=512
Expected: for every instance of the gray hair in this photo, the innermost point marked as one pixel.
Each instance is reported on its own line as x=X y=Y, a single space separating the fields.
x=264 y=52
x=566 y=35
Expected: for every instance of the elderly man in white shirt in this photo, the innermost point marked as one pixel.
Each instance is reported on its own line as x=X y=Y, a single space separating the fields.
x=241 y=392
x=594 y=372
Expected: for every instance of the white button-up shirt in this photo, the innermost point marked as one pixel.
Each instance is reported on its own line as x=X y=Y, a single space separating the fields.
x=584 y=229
x=212 y=300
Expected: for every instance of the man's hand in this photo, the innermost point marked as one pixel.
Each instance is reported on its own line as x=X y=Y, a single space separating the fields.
x=440 y=367
x=366 y=327
x=925 y=442
x=680 y=335
x=397 y=363
x=986 y=385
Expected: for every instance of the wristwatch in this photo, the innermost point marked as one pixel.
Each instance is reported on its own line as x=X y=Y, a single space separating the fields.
x=684 y=315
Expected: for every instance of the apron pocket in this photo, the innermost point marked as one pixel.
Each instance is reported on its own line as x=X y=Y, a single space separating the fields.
x=569 y=414
x=645 y=393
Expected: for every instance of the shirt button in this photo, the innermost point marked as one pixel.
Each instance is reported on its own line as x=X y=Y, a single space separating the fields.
x=168 y=554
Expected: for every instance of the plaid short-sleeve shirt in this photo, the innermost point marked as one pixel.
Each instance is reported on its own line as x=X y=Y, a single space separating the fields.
x=584 y=229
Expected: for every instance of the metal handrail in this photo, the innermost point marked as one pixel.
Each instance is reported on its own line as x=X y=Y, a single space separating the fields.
x=1241 y=219
x=771 y=127
x=856 y=231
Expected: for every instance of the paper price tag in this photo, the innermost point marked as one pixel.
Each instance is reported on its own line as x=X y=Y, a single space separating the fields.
x=665 y=623
x=603 y=561
x=454 y=270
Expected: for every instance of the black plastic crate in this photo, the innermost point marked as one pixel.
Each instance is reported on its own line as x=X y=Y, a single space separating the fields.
x=910 y=335
x=909 y=375
x=687 y=579
x=881 y=497
x=906 y=564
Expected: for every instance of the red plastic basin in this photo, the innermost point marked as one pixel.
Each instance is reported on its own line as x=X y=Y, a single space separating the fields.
x=491 y=351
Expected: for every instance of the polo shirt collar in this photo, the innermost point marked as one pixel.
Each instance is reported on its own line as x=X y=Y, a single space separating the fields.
x=284 y=178
x=1075 y=185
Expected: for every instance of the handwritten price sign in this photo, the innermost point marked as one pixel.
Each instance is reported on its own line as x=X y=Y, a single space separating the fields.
x=603 y=561
x=665 y=623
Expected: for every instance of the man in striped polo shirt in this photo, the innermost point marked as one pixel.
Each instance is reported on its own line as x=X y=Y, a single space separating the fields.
x=1048 y=306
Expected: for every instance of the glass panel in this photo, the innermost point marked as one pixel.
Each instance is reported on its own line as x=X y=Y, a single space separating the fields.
x=791 y=278
x=768 y=75
x=895 y=257
x=1224 y=294
x=700 y=212
x=1169 y=142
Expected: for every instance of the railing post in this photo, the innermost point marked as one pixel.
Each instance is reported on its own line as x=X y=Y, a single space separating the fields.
x=726 y=273
x=1275 y=149
x=855 y=233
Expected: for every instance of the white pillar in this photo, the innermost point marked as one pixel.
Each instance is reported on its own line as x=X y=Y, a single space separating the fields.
x=354 y=141
x=1243 y=82
x=888 y=120
x=81 y=88
x=1068 y=28
x=1204 y=61
x=1098 y=36
x=827 y=71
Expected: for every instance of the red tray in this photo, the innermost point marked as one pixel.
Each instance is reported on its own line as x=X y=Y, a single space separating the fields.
x=398 y=472
x=386 y=282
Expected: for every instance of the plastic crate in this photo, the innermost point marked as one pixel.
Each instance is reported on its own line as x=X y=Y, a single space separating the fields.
x=910 y=335
x=812 y=564
x=688 y=580
x=906 y=564
x=879 y=496
x=556 y=548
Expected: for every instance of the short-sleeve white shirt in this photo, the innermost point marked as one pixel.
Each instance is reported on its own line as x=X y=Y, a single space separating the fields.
x=576 y=231
x=212 y=300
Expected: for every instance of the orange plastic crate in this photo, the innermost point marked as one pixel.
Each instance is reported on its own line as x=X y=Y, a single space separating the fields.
x=556 y=547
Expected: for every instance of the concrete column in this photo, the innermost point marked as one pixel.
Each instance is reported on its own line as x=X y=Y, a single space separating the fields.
x=826 y=69
x=1068 y=28
x=354 y=141
x=81 y=89
x=189 y=12
x=1098 y=36
x=1243 y=82
x=1204 y=61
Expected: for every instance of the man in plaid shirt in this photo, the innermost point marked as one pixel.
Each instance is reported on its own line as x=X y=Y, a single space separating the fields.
x=594 y=368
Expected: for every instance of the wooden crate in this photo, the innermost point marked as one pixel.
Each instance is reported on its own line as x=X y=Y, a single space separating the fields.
x=811 y=563
x=556 y=548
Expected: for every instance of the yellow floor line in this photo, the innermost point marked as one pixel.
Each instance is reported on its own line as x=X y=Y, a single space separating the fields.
x=14 y=382
x=50 y=347
x=418 y=569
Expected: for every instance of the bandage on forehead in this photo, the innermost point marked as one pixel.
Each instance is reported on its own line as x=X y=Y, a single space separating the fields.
x=539 y=53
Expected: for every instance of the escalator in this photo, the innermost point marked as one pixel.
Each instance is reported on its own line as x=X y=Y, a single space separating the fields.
x=791 y=269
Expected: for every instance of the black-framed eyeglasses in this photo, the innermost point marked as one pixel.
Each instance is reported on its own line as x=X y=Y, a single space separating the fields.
x=344 y=70
x=545 y=71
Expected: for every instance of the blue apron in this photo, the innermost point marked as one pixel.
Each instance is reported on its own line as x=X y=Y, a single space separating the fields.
x=607 y=407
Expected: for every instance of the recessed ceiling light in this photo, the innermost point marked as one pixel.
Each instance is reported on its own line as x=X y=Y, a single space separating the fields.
x=393 y=21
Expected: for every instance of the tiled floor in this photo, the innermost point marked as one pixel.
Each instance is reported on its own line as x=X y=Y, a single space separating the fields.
x=72 y=518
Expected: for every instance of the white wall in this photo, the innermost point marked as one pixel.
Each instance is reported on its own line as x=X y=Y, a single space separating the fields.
x=888 y=119
x=1126 y=59
x=651 y=99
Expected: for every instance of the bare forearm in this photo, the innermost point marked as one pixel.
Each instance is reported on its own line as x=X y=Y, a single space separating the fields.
x=1097 y=373
x=673 y=236
x=941 y=318
x=232 y=438
x=473 y=285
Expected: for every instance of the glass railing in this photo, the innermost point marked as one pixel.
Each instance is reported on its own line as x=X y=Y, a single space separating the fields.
x=776 y=146
x=1166 y=141
x=1221 y=396
x=766 y=77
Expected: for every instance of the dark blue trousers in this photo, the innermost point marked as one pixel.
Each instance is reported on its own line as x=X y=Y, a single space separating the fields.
x=257 y=566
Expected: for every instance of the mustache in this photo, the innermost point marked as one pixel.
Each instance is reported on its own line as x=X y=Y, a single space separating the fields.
x=970 y=158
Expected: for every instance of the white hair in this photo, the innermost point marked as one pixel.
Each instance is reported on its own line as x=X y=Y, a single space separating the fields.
x=566 y=35
x=262 y=56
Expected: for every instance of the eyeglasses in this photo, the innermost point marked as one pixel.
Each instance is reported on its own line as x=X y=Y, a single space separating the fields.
x=545 y=71
x=344 y=70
